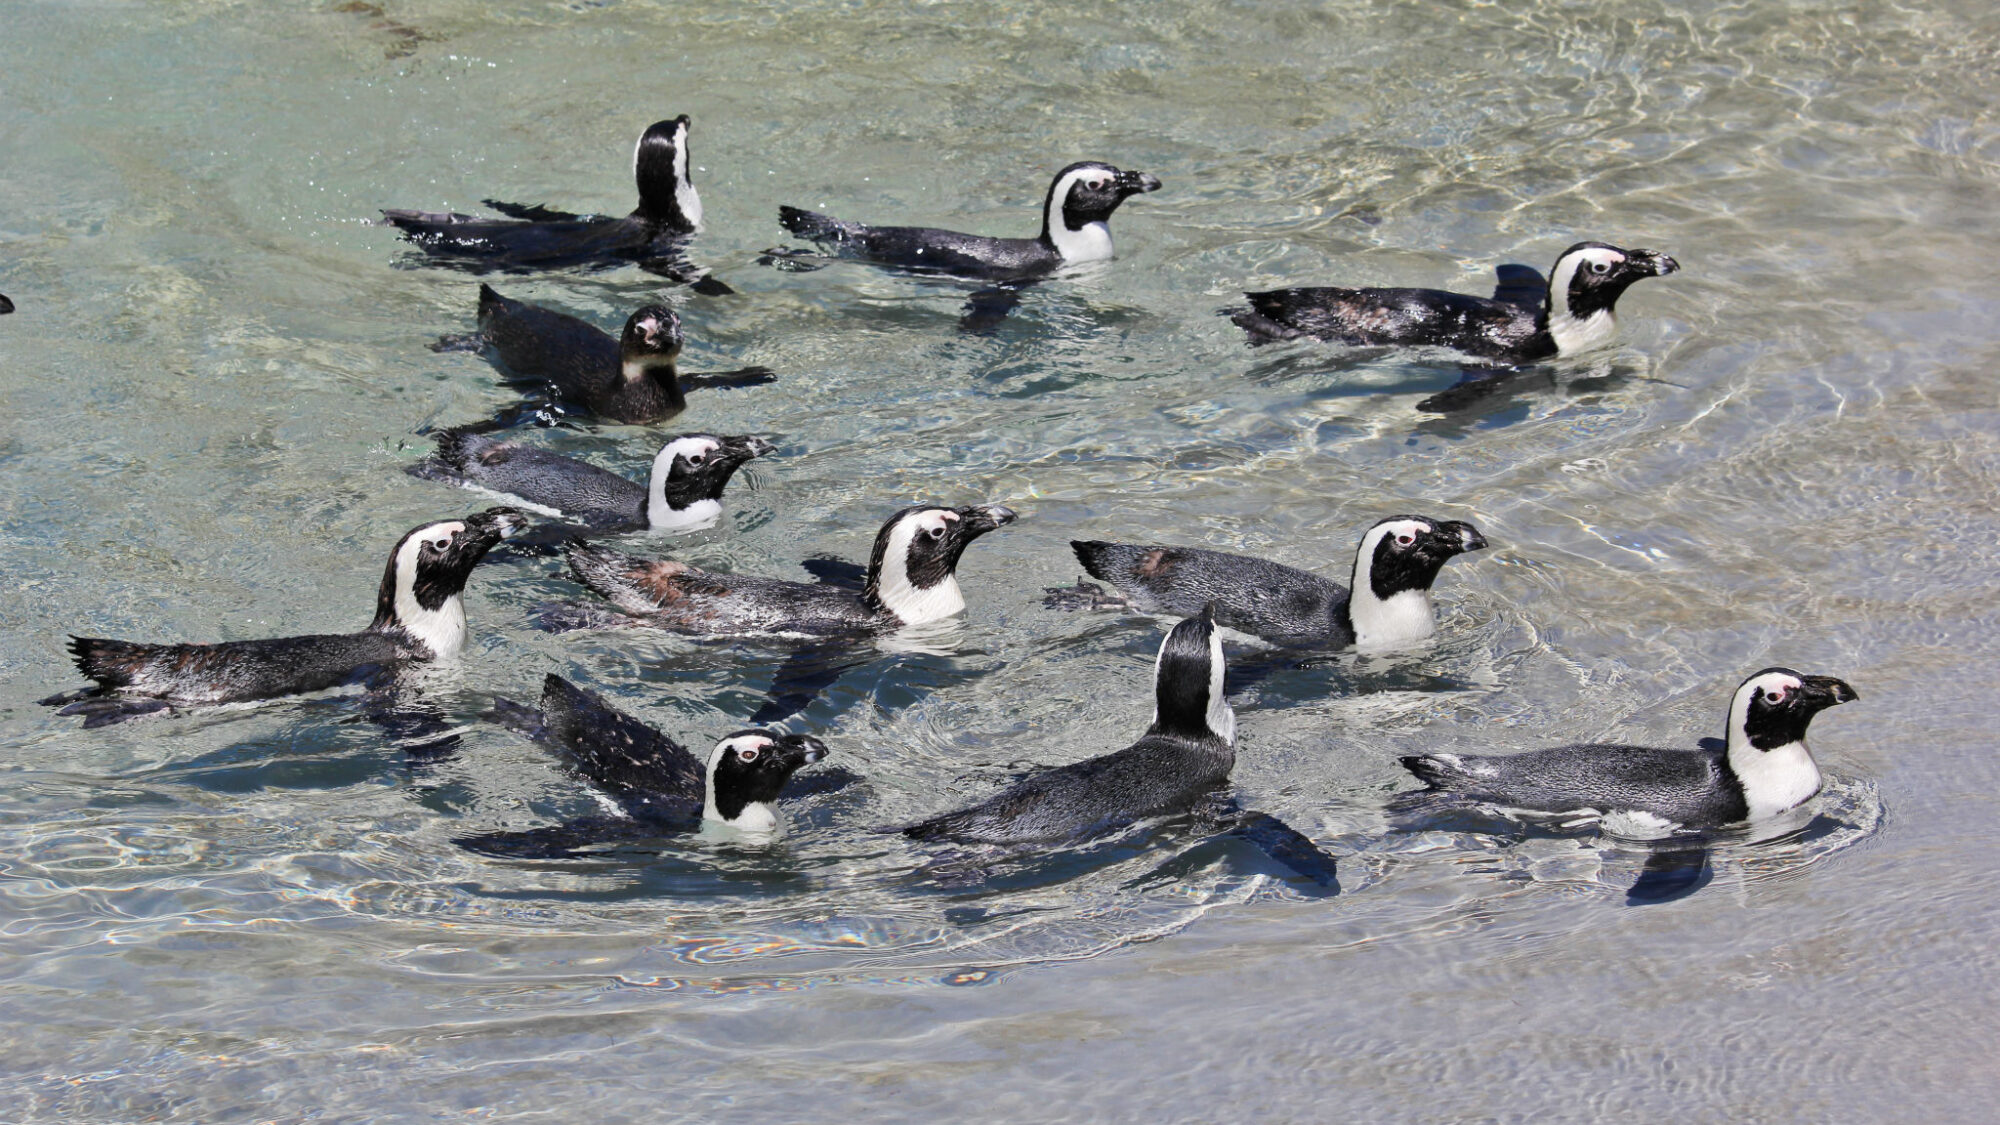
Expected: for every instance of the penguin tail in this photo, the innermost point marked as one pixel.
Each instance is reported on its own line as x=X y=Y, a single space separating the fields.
x=1096 y=557
x=113 y=664
x=1260 y=319
x=489 y=299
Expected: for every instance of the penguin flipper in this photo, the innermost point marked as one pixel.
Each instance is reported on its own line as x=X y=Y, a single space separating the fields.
x=830 y=571
x=615 y=751
x=532 y=212
x=986 y=308
x=1520 y=285
x=730 y=380
x=803 y=676
x=1476 y=384
x=1670 y=875
x=1288 y=846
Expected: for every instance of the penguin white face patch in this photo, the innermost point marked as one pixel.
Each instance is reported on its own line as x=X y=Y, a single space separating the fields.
x=757 y=817
x=918 y=605
x=1402 y=618
x=442 y=630
x=1572 y=333
x=1779 y=778
x=1090 y=242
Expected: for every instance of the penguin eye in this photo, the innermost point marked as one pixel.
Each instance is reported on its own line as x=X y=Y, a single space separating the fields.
x=936 y=533
x=746 y=753
x=696 y=458
x=1600 y=267
x=1405 y=539
x=1774 y=695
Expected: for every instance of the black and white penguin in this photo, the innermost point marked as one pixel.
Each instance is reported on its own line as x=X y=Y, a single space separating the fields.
x=1526 y=319
x=912 y=580
x=419 y=616
x=536 y=237
x=1076 y=219
x=1394 y=567
x=1762 y=767
x=660 y=786
x=684 y=494
x=635 y=378
x=1184 y=756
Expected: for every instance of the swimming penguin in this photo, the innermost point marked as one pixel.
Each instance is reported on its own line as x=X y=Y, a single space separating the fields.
x=911 y=581
x=1075 y=228
x=1526 y=319
x=1761 y=768
x=419 y=616
x=1394 y=567
x=1184 y=755
x=634 y=379
x=537 y=237
x=661 y=787
x=685 y=493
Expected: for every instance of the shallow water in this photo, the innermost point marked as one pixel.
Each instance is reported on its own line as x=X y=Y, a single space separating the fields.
x=218 y=369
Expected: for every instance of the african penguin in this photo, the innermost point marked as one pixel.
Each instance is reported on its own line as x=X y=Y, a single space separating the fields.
x=1076 y=217
x=1394 y=567
x=1524 y=320
x=1762 y=768
x=634 y=379
x=911 y=581
x=660 y=786
x=537 y=237
x=419 y=616
x=1184 y=756
x=684 y=494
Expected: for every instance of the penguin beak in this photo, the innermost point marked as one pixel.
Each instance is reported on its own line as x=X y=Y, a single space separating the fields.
x=1135 y=183
x=495 y=524
x=745 y=447
x=1822 y=692
x=979 y=520
x=802 y=749
x=1647 y=263
x=1455 y=537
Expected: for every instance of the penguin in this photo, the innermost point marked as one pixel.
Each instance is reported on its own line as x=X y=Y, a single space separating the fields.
x=6 y=306
x=661 y=787
x=1184 y=756
x=685 y=493
x=1076 y=218
x=1394 y=567
x=419 y=617
x=1525 y=320
x=538 y=238
x=911 y=581
x=633 y=379
x=1760 y=769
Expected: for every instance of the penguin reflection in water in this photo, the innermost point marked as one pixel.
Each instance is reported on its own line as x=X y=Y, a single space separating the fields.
x=1179 y=767
x=659 y=787
x=1760 y=769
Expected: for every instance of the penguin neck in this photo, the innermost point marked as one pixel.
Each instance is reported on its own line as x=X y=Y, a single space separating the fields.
x=755 y=818
x=1399 y=618
x=660 y=373
x=1773 y=780
x=1088 y=241
x=1573 y=329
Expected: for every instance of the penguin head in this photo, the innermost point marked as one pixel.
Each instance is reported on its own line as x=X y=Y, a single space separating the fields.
x=660 y=164
x=1088 y=192
x=1187 y=682
x=652 y=337
x=1589 y=277
x=427 y=572
x=911 y=571
x=1773 y=708
x=690 y=472
x=1404 y=553
x=748 y=769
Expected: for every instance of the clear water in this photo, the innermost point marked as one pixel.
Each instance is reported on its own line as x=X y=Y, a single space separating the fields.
x=218 y=367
